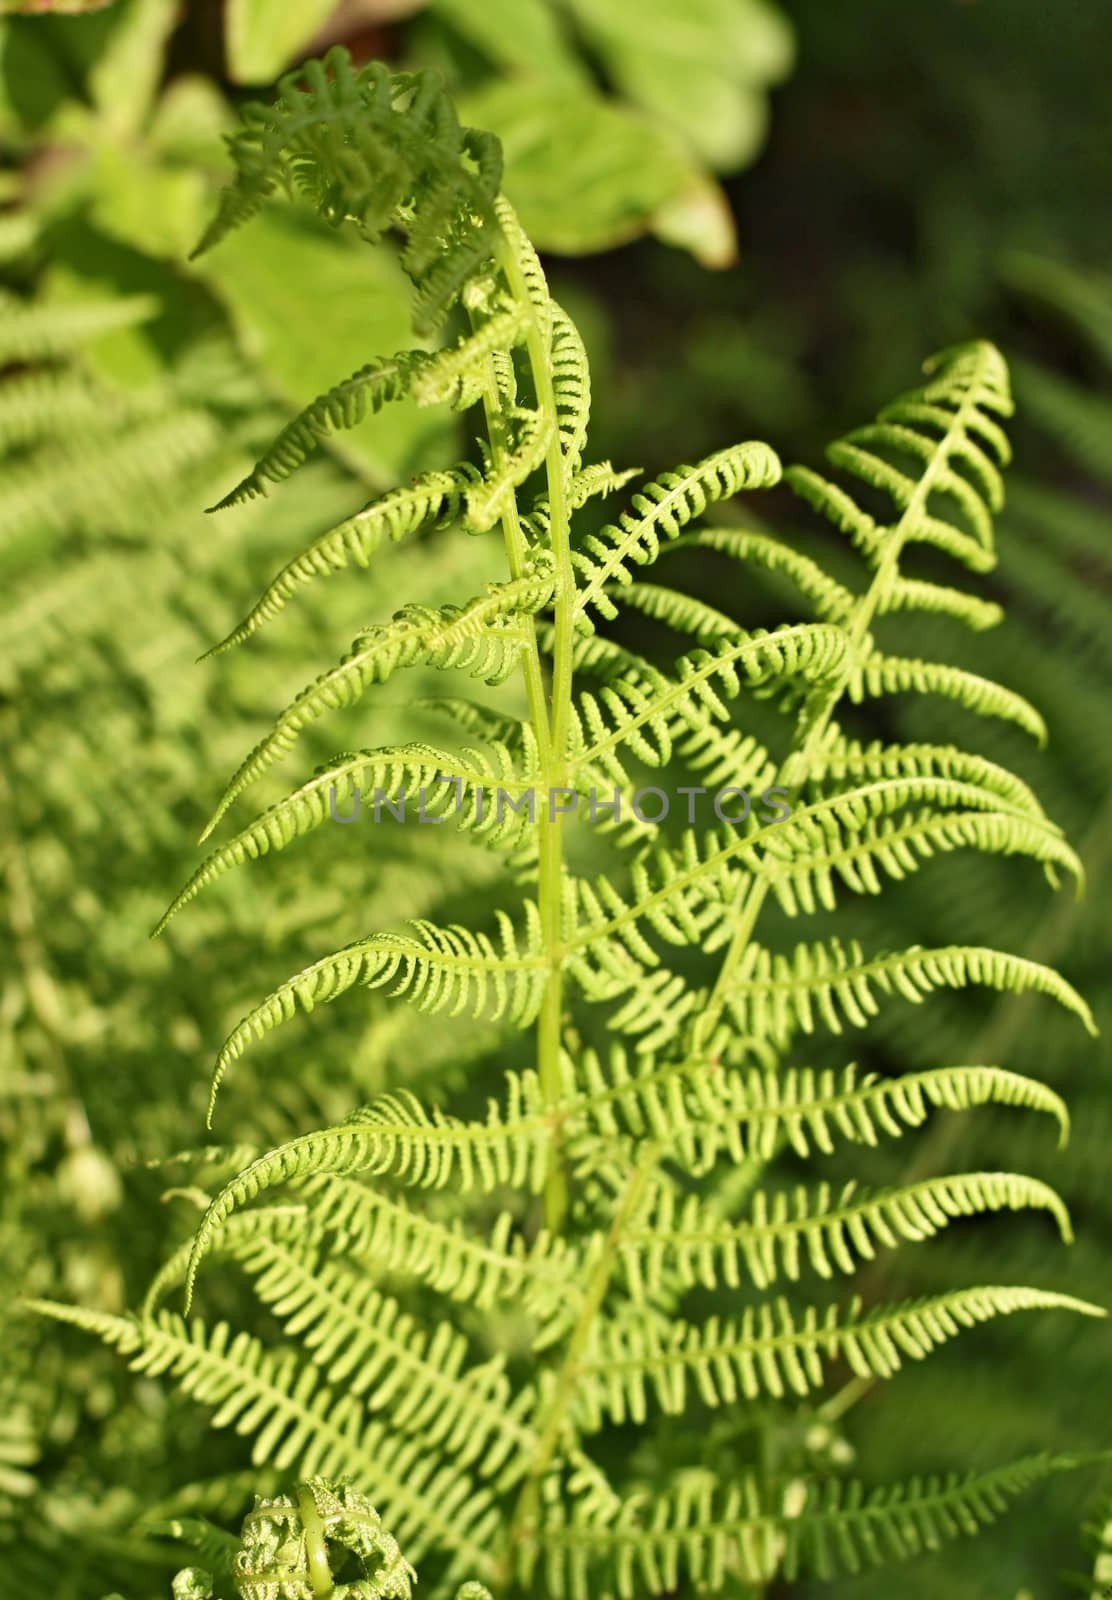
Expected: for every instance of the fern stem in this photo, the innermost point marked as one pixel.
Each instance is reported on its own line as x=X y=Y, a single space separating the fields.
x=551 y=1423
x=554 y=747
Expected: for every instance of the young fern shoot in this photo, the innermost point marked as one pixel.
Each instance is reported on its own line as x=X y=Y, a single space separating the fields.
x=670 y=1273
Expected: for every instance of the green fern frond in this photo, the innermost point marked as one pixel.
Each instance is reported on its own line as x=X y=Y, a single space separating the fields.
x=378 y=150
x=529 y=433
x=364 y=1341
x=571 y=385
x=704 y=1109
x=883 y=674
x=843 y=759
x=848 y=836
x=660 y=511
x=435 y=500
x=540 y=1276
x=393 y=777
x=914 y=594
x=437 y=969
x=481 y=638
x=459 y=376
x=826 y=1229
x=295 y=1420
x=745 y=1534
x=693 y=692
x=278 y=1223
x=830 y=600
x=774 y=1349
x=345 y=405
x=31 y=330
x=682 y=612
x=396 y=1135
x=774 y=996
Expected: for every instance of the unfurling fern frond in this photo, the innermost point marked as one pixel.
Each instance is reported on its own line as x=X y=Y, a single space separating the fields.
x=380 y=151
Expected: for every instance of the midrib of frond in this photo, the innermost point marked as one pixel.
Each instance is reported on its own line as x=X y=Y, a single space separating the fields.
x=558 y=1400
x=525 y=279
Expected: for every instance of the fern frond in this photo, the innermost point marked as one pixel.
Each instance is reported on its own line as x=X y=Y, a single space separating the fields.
x=488 y=498
x=396 y=1135
x=437 y=969
x=704 y=1109
x=743 y=1534
x=379 y=151
x=345 y=405
x=829 y=1230
x=459 y=376
x=31 y=329
x=774 y=996
x=830 y=600
x=949 y=430
x=842 y=759
x=364 y=1341
x=682 y=612
x=434 y=501
x=600 y=478
x=628 y=710
x=540 y=1277
x=850 y=836
x=883 y=674
x=481 y=638
x=659 y=512
x=571 y=384
x=803 y=855
x=777 y=1350
x=914 y=594
x=394 y=776
x=296 y=1420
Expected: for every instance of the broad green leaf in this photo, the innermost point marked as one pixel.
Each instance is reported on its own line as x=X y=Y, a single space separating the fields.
x=522 y=34
x=189 y=122
x=699 y=219
x=583 y=172
x=360 y=309
x=88 y=265
x=124 y=78
x=33 y=81
x=158 y=208
x=702 y=66
x=262 y=37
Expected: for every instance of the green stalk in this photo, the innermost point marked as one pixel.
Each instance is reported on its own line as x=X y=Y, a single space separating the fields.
x=554 y=745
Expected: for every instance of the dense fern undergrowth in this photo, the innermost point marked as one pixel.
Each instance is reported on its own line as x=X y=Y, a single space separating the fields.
x=582 y=1300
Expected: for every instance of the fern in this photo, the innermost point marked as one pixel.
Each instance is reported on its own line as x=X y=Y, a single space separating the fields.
x=608 y=1231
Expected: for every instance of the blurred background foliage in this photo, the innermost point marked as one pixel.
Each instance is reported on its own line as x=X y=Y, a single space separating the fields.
x=920 y=174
